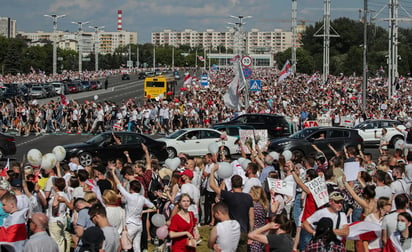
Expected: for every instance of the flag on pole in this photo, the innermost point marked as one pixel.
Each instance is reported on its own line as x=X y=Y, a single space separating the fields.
x=201 y=58
x=234 y=58
x=286 y=71
x=187 y=80
x=63 y=100
x=231 y=97
x=312 y=78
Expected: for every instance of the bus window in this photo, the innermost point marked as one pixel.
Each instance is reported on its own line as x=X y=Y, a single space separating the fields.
x=155 y=84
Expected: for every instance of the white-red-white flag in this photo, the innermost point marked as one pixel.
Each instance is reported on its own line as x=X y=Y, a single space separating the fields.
x=201 y=58
x=63 y=100
x=231 y=97
x=312 y=78
x=187 y=80
x=5 y=169
x=364 y=230
x=286 y=71
x=234 y=58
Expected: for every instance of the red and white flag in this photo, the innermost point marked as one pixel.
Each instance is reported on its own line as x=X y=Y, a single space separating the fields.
x=286 y=71
x=231 y=97
x=234 y=58
x=312 y=78
x=5 y=169
x=14 y=230
x=393 y=244
x=63 y=100
x=187 y=80
x=364 y=230
x=201 y=58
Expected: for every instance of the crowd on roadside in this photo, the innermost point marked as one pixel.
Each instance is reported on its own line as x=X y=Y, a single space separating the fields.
x=303 y=97
x=88 y=208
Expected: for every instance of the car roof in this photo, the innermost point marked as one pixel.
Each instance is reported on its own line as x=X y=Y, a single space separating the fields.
x=330 y=128
x=380 y=120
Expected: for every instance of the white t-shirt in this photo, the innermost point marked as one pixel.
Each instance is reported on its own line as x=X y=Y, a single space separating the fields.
x=325 y=212
x=116 y=217
x=251 y=182
x=383 y=191
x=23 y=202
x=58 y=214
x=228 y=235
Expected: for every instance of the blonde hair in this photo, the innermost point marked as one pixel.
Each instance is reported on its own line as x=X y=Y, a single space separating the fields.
x=88 y=196
x=199 y=162
x=258 y=195
x=110 y=197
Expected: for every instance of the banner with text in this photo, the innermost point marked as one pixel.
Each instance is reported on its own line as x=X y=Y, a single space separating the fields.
x=281 y=186
x=319 y=190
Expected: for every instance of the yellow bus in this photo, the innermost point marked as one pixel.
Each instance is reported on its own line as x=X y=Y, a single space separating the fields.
x=162 y=86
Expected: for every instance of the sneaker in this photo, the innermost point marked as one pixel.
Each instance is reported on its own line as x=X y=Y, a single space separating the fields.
x=37 y=133
x=68 y=132
x=79 y=132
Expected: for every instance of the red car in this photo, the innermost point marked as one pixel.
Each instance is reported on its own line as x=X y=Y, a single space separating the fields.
x=73 y=88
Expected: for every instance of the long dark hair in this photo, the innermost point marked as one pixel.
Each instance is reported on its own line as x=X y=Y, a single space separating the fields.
x=324 y=231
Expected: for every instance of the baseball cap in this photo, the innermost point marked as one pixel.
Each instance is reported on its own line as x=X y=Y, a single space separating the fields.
x=4 y=185
x=319 y=155
x=336 y=196
x=16 y=182
x=187 y=172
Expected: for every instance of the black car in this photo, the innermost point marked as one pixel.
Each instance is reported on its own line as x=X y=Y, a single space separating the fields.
x=232 y=130
x=276 y=125
x=104 y=147
x=301 y=142
x=141 y=75
x=12 y=92
x=7 y=145
x=125 y=77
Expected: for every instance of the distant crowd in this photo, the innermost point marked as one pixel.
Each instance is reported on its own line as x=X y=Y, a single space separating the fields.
x=125 y=204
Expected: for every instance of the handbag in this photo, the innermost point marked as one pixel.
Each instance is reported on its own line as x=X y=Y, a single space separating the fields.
x=125 y=241
x=191 y=242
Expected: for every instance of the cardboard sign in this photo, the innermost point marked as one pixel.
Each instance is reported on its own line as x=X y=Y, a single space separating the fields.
x=351 y=170
x=281 y=186
x=319 y=190
x=253 y=137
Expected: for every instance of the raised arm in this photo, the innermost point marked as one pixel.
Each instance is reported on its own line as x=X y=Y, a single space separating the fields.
x=147 y=155
x=299 y=182
x=260 y=233
x=212 y=181
x=354 y=195
x=333 y=150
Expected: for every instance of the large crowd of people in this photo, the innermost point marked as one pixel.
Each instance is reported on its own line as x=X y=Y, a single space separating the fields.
x=110 y=206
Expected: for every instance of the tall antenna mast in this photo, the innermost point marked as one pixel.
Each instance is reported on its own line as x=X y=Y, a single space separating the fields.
x=326 y=38
x=294 y=35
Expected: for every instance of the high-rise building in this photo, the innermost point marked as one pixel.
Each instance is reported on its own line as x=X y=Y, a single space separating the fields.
x=108 y=41
x=7 y=27
x=255 y=41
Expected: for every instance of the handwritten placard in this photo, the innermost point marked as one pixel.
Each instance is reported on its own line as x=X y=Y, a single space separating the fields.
x=319 y=190
x=351 y=170
x=281 y=186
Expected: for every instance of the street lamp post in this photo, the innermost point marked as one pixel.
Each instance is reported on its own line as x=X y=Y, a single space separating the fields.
x=54 y=17
x=79 y=42
x=239 y=36
x=154 y=58
x=96 y=45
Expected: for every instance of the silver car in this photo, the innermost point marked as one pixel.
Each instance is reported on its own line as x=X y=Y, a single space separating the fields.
x=38 y=92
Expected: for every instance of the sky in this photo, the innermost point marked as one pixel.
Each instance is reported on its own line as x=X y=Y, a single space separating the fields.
x=146 y=16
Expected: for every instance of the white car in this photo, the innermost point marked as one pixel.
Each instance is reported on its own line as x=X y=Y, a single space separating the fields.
x=368 y=128
x=195 y=142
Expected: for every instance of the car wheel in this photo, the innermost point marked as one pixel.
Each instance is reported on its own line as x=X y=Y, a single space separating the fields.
x=394 y=140
x=226 y=152
x=85 y=159
x=171 y=152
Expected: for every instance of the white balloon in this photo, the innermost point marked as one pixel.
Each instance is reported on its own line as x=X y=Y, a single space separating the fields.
x=172 y=164
x=34 y=157
x=225 y=170
x=399 y=144
x=48 y=161
x=158 y=220
x=96 y=97
x=245 y=163
x=287 y=154
x=274 y=155
x=213 y=148
x=241 y=159
x=59 y=152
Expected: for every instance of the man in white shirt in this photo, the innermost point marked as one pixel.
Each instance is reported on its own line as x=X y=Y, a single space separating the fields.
x=333 y=211
x=226 y=234
x=252 y=180
x=192 y=190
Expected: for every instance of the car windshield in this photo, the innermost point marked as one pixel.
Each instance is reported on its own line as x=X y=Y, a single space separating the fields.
x=303 y=133
x=176 y=134
x=97 y=139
